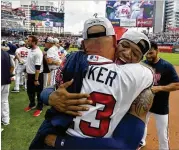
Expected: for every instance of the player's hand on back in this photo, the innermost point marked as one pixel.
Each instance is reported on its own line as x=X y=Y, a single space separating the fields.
x=69 y=103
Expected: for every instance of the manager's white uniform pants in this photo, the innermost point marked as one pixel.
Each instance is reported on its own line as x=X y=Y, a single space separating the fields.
x=45 y=79
x=52 y=77
x=5 y=103
x=19 y=77
x=162 y=130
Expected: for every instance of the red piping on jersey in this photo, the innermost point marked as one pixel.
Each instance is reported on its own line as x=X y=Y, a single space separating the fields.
x=100 y=63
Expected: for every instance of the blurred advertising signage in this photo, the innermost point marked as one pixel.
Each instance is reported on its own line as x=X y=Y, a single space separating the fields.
x=115 y=22
x=144 y=22
x=37 y=23
x=176 y=48
x=47 y=16
x=58 y=24
x=47 y=24
x=167 y=49
x=128 y=22
x=173 y=29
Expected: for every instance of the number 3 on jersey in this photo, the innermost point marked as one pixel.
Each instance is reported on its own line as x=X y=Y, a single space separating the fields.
x=102 y=115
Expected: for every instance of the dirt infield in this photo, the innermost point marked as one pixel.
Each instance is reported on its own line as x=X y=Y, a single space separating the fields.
x=152 y=139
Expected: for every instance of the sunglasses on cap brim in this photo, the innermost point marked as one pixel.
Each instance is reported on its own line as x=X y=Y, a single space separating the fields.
x=96 y=35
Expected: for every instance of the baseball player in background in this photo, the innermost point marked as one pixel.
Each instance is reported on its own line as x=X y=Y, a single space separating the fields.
x=103 y=89
x=123 y=11
x=166 y=80
x=79 y=44
x=52 y=58
x=21 y=56
x=61 y=51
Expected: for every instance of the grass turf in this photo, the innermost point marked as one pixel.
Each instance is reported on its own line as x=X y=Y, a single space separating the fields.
x=23 y=126
x=173 y=58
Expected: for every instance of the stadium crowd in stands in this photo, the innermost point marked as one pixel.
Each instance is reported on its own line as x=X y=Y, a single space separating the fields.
x=161 y=38
x=165 y=37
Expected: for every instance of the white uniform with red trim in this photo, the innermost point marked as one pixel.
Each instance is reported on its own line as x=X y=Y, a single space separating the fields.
x=122 y=12
x=112 y=88
x=22 y=52
x=53 y=54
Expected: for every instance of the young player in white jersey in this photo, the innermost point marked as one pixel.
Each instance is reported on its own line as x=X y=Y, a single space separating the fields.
x=21 y=55
x=61 y=51
x=123 y=11
x=52 y=58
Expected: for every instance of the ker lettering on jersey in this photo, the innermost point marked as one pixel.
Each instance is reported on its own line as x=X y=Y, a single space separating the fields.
x=101 y=75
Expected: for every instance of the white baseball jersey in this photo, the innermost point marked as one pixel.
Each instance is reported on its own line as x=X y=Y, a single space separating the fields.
x=53 y=54
x=112 y=88
x=22 y=52
x=122 y=12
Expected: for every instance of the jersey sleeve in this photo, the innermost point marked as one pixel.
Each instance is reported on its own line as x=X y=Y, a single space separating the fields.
x=17 y=51
x=50 y=53
x=38 y=58
x=44 y=95
x=134 y=78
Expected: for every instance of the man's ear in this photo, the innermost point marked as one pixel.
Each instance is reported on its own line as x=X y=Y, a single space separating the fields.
x=83 y=45
x=157 y=51
x=115 y=42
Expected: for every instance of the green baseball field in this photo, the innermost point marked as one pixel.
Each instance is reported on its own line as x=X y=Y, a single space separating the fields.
x=171 y=57
x=23 y=126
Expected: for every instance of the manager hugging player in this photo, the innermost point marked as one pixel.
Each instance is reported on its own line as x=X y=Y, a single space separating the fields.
x=99 y=39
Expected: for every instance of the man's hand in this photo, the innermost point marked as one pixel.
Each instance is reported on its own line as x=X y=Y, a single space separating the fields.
x=36 y=83
x=69 y=103
x=156 y=89
x=50 y=140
